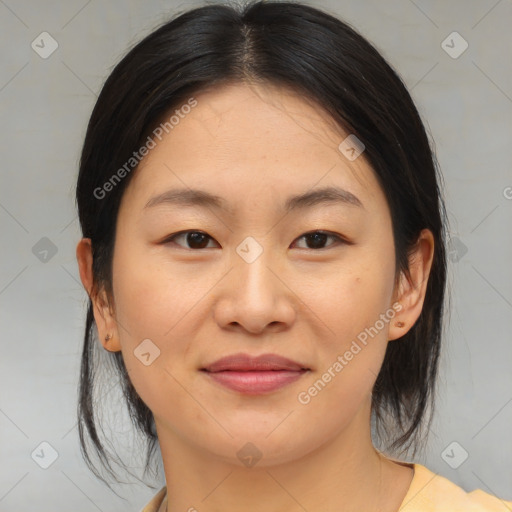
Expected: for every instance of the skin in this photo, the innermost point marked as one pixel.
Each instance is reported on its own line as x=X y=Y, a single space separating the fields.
x=255 y=146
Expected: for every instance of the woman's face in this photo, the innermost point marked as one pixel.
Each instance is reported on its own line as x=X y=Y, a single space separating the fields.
x=253 y=281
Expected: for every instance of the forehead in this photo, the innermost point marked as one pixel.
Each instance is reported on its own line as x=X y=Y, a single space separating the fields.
x=241 y=139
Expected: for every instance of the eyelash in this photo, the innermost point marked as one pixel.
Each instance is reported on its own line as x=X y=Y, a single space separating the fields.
x=339 y=239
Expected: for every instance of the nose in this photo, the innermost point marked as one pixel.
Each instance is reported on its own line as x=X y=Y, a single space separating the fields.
x=255 y=296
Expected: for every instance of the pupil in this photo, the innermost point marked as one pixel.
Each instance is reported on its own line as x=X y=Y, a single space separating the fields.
x=318 y=239
x=195 y=239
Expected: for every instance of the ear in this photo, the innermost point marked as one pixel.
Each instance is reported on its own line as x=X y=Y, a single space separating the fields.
x=410 y=290
x=102 y=310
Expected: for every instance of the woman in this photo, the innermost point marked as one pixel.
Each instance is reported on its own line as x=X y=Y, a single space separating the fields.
x=263 y=248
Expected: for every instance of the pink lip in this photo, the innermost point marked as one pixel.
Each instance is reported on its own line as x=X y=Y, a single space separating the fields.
x=254 y=375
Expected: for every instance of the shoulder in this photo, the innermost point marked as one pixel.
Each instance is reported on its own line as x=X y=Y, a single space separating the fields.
x=157 y=501
x=428 y=492
x=431 y=492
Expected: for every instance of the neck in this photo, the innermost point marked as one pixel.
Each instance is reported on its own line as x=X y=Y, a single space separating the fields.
x=345 y=473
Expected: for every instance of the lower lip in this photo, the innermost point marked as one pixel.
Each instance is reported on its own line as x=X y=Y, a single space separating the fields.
x=257 y=382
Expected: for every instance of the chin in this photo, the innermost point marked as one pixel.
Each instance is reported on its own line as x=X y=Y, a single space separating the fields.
x=253 y=447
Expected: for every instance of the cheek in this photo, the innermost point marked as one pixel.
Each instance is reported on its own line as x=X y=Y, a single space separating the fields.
x=151 y=310
x=356 y=308
x=150 y=301
x=353 y=301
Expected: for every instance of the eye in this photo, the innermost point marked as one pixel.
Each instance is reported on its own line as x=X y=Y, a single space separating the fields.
x=195 y=239
x=318 y=238
x=199 y=239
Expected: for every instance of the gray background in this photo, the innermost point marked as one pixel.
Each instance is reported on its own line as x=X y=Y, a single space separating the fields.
x=44 y=107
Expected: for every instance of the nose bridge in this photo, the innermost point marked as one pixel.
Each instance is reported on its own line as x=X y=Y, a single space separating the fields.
x=254 y=297
x=252 y=272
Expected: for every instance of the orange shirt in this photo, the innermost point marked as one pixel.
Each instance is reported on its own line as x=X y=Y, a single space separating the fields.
x=428 y=492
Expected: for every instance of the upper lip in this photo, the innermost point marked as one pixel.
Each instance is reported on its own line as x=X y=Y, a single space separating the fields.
x=246 y=362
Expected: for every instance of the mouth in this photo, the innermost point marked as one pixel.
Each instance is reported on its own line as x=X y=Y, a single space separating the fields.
x=255 y=375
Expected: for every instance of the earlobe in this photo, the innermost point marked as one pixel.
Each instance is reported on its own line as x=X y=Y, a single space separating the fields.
x=411 y=289
x=105 y=322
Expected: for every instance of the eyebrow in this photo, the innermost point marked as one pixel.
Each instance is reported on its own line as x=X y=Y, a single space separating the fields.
x=309 y=199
